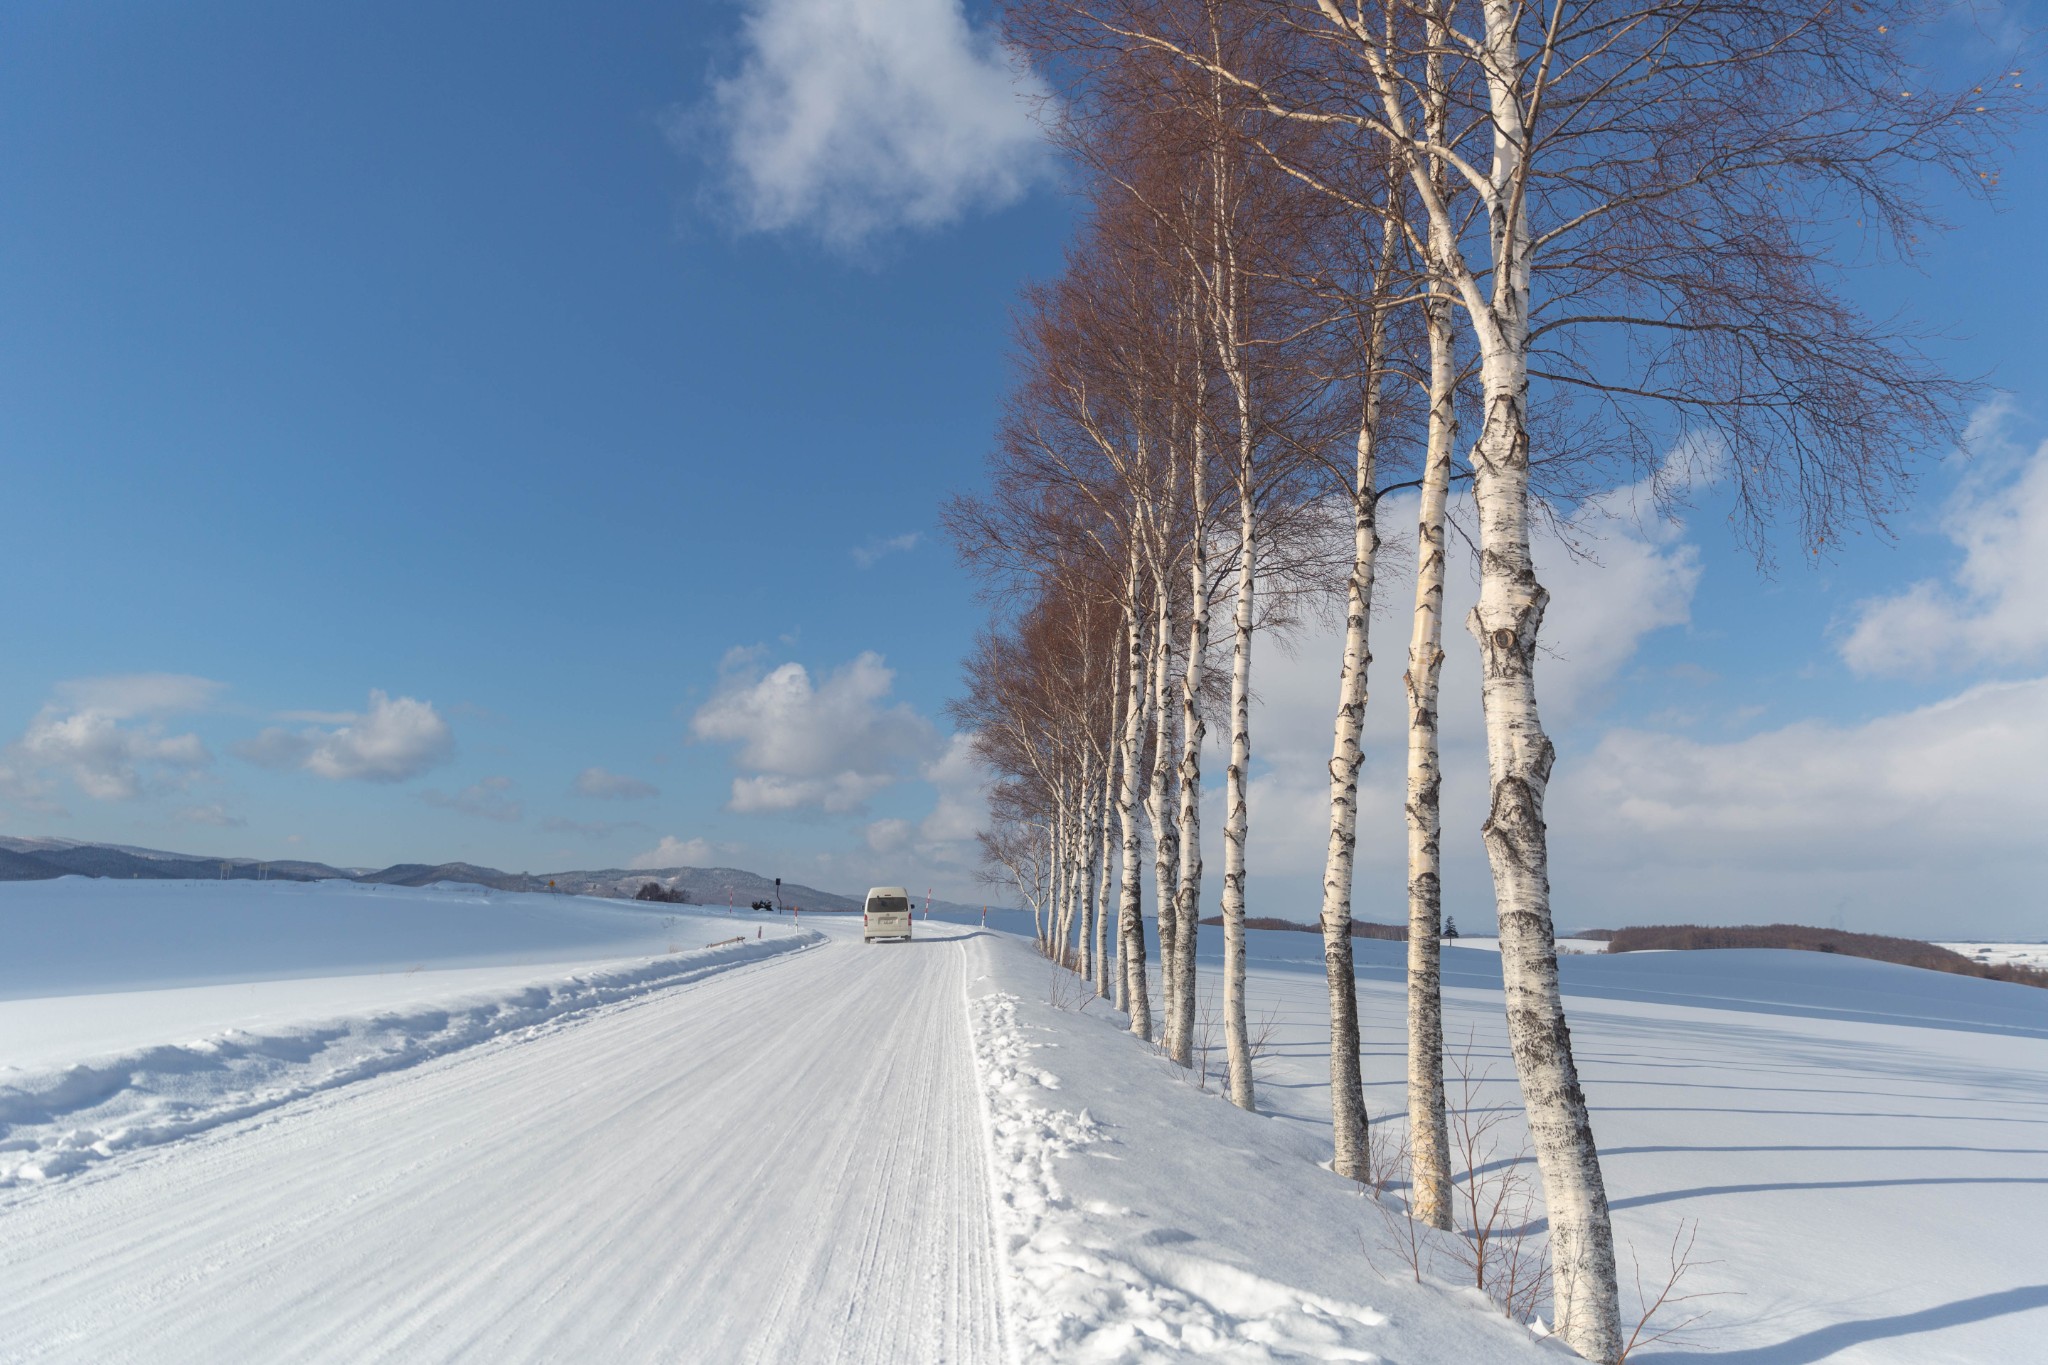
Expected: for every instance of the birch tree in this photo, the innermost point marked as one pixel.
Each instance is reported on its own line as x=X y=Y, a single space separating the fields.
x=1429 y=1146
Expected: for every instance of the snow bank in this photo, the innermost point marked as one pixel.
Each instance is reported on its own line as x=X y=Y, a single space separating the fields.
x=55 y=1120
x=1143 y=1220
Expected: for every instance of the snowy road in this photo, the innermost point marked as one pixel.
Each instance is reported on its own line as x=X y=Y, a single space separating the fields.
x=782 y=1162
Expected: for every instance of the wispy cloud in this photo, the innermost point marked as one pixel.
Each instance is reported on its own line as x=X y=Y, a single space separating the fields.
x=593 y=830
x=486 y=798
x=213 y=813
x=867 y=555
x=608 y=786
x=674 y=852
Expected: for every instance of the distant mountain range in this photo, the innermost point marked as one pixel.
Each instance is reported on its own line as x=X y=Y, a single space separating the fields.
x=28 y=860
x=41 y=859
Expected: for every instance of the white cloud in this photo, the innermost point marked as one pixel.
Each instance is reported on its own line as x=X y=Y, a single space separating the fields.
x=838 y=794
x=275 y=747
x=1931 y=783
x=961 y=810
x=485 y=798
x=941 y=849
x=853 y=117
x=592 y=830
x=1992 y=609
x=124 y=696
x=1639 y=577
x=831 y=745
x=674 y=852
x=107 y=736
x=607 y=786
x=392 y=741
x=1917 y=822
x=889 y=836
x=214 y=814
x=866 y=556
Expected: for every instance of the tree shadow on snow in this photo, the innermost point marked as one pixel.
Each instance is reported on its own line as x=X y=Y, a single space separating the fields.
x=1636 y=1201
x=1824 y=1342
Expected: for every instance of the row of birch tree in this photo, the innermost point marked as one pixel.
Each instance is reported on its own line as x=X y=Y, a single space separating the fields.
x=1493 y=254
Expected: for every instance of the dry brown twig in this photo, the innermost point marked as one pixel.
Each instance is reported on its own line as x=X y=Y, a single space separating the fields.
x=1067 y=990
x=1499 y=1246
x=1682 y=1264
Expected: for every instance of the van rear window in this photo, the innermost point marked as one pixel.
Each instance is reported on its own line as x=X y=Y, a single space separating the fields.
x=888 y=905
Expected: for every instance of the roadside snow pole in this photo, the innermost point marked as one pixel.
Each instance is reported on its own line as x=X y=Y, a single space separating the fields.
x=757 y=931
x=984 y=917
x=927 y=905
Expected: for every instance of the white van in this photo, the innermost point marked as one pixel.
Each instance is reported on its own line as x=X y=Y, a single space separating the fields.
x=886 y=914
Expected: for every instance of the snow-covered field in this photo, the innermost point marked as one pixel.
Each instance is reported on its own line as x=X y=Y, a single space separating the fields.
x=271 y=1121
x=2024 y=954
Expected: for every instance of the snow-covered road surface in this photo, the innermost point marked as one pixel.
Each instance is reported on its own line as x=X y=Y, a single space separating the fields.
x=782 y=1162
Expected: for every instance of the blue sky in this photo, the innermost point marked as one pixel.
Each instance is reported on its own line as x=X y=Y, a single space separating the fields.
x=503 y=433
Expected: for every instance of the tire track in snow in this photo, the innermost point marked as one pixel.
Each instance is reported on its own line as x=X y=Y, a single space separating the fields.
x=781 y=1163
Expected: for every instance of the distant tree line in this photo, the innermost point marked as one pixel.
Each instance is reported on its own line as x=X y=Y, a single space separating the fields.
x=1878 y=947
x=654 y=891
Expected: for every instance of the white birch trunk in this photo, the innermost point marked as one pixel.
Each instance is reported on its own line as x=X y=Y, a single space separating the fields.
x=1086 y=965
x=1236 y=820
x=1519 y=758
x=1188 y=902
x=1103 y=949
x=1429 y=1141
x=1070 y=883
x=1347 y=1085
x=1165 y=838
x=1130 y=911
x=1519 y=754
x=1429 y=1167
x=1052 y=886
x=1056 y=892
x=1074 y=939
